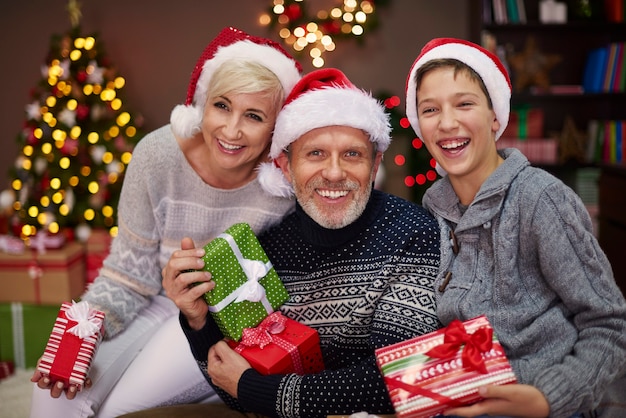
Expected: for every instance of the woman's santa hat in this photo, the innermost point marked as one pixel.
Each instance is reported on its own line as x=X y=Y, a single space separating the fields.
x=484 y=63
x=322 y=98
x=229 y=44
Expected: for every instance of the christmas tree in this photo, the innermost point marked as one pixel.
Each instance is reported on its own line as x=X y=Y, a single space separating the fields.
x=420 y=165
x=76 y=141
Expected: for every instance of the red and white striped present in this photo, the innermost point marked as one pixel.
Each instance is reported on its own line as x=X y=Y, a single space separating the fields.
x=75 y=337
x=428 y=374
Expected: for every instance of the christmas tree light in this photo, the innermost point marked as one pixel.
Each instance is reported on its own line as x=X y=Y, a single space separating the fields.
x=76 y=141
x=351 y=19
x=421 y=166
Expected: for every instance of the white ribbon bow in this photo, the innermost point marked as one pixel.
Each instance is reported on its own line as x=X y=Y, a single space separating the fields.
x=87 y=322
x=251 y=290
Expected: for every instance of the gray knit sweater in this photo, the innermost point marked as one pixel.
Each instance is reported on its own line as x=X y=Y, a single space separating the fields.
x=528 y=260
x=163 y=200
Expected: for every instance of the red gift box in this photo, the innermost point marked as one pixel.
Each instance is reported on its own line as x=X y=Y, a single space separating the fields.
x=524 y=122
x=6 y=369
x=75 y=337
x=281 y=345
x=428 y=374
x=98 y=247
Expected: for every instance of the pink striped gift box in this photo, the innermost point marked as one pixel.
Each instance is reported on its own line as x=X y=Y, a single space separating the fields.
x=75 y=337
x=428 y=374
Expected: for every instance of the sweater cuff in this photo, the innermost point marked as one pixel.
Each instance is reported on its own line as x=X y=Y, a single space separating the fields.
x=201 y=340
x=554 y=388
x=257 y=393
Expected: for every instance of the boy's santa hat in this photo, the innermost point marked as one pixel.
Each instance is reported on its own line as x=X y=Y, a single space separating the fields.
x=322 y=98
x=229 y=44
x=487 y=65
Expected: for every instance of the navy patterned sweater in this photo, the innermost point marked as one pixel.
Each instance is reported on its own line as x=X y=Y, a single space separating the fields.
x=361 y=287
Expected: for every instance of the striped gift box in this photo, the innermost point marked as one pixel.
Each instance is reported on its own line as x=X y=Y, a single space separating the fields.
x=461 y=358
x=75 y=337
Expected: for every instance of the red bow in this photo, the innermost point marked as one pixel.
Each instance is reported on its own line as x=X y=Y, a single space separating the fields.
x=261 y=335
x=475 y=344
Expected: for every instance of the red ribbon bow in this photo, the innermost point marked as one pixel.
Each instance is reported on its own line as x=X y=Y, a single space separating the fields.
x=261 y=335
x=477 y=343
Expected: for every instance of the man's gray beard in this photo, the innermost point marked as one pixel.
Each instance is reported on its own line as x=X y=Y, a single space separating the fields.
x=352 y=213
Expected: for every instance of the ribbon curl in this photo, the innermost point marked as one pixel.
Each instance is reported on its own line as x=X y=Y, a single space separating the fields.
x=267 y=332
x=262 y=334
x=475 y=344
x=87 y=322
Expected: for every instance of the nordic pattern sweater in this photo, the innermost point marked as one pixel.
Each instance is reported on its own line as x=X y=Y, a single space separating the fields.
x=361 y=287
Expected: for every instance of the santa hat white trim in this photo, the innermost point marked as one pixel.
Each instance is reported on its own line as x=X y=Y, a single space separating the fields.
x=330 y=106
x=323 y=98
x=186 y=119
x=486 y=65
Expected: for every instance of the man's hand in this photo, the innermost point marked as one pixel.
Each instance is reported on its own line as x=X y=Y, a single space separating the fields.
x=510 y=400
x=43 y=382
x=226 y=367
x=186 y=286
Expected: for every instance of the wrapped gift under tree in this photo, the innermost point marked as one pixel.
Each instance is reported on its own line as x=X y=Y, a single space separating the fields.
x=428 y=374
x=43 y=276
x=75 y=337
x=280 y=345
x=247 y=288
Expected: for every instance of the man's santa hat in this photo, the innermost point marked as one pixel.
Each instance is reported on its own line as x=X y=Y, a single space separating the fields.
x=484 y=63
x=322 y=98
x=229 y=44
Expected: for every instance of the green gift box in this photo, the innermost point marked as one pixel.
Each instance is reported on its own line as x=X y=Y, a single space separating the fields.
x=247 y=288
x=24 y=332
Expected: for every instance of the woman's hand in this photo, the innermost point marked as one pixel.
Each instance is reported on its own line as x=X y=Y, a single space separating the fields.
x=511 y=400
x=43 y=382
x=185 y=285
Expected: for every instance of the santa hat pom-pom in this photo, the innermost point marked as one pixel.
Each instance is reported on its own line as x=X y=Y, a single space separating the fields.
x=186 y=121
x=273 y=181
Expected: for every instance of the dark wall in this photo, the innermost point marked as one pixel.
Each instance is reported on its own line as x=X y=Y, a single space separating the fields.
x=155 y=43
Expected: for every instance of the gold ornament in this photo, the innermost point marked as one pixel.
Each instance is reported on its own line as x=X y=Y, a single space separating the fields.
x=531 y=66
x=572 y=142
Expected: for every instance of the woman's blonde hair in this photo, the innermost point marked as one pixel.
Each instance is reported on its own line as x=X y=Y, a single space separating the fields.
x=246 y=77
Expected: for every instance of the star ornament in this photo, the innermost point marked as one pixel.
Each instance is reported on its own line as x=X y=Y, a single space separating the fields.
x=531 y=67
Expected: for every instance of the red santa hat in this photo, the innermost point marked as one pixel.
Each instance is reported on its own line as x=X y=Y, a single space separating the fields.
x=484 y=63
x=229 y=44
x=322 y=98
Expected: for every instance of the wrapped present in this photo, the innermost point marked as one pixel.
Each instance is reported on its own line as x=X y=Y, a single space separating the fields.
x=98 y=246
x=443 y=369
x=281 y=345
x=7 y=368
x=524 y=122
x=75 y=337
x=48 y=278
x=24 y=330
x=247 y=288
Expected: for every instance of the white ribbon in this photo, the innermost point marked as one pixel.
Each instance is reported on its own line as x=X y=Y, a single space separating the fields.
x=88 y=324
x=11 y=245
x=251 y=290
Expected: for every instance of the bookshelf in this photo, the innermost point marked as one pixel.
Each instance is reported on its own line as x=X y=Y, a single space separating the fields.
x=572 y=41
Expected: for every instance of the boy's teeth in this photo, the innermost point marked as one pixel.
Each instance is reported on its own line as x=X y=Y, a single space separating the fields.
x=456 y=144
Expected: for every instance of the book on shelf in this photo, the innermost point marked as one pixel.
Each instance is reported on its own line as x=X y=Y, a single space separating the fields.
x=563 y=89
x=606 y=142
x=605 y=69
x=504 y=11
